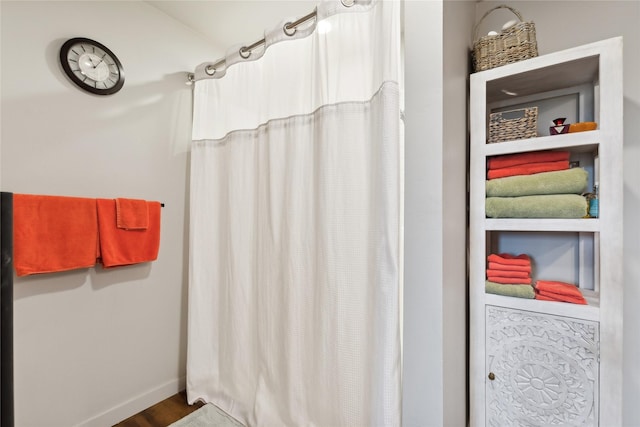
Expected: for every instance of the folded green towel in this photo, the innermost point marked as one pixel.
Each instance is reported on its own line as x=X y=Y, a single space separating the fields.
x=546 y=206
x=518 y=291
x=569 y=181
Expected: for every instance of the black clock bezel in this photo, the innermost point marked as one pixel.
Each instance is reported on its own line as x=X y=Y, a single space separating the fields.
x=64 y=50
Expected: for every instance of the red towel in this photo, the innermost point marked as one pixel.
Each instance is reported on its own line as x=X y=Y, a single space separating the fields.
x=528 y=169
x=53 y=233
x=509 y=267
x=558 y=287
x=509 y=160
x=508 y=259
x=510 y=280
x=132 y=214
x=508 y=273
x=550 y=296
x=124 y=247
x=558 y=291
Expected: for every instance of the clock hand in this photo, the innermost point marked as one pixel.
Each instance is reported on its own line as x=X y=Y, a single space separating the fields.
x=94 y=66
x=91 y=61
x=101 y=60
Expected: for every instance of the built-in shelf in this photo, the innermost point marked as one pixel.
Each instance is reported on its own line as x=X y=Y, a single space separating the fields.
x=588 y=225
x=577 y=142
x=508 y=334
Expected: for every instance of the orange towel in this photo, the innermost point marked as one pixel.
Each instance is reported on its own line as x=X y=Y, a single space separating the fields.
x=558 y=291
x=529 y=169
x=509 y=160
x=132 y=214
x=510 y=280
x=507 y=273
x=550 y=296
x=509 y=267
x=508 y=259
x=53 y=233
x=120 y=247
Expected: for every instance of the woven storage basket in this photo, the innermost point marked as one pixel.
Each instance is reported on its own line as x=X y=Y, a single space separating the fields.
x=514 y=124
x=513 y=44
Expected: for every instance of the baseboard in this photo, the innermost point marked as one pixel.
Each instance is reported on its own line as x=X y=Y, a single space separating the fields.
x=135 y=405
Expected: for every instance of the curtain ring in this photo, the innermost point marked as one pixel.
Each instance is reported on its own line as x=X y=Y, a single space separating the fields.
x=210 y=70
x=286 y=29
x=243 y=51
x=348 y=3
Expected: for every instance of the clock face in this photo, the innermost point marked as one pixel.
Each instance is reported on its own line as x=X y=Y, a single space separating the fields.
x=92 y=66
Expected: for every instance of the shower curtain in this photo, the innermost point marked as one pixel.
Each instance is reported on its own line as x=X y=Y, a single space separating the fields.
x=296 y=225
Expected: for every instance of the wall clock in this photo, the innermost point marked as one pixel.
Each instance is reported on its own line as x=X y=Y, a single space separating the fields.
x=91 y=66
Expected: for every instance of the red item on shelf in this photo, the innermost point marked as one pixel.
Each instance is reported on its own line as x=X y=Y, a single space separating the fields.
x=508 y=259
x=508 y=273
x=510 y=280
x=558 y=291
x=509 y=160
x=509 y=267
x=528 y=169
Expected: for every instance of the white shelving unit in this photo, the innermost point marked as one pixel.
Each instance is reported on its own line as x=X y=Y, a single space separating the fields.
x=536 y=362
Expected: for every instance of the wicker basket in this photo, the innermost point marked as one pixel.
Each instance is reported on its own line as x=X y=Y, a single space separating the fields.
x=513 y=44
x=512 y=125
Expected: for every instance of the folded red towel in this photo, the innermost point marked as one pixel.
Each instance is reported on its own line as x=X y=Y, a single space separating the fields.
x=508 y=259
x=508 y=273
x=557 y=287
x=550 y=296
x=510 y=280
x=528 y=169
x=123 y=247
x=509 y=160
x=509 y=267
x=558 y=291
x=53 y=233
x=132 y=214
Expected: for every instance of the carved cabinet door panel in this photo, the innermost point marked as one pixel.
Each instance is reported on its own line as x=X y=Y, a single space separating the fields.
x=542 y=370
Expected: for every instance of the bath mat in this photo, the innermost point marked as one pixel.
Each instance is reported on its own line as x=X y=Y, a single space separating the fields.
x=207 y=416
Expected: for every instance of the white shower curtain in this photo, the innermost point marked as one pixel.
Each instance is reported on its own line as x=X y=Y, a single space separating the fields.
x=295 y=226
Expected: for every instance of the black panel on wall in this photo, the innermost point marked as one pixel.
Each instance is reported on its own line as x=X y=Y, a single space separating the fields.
x=6 y=309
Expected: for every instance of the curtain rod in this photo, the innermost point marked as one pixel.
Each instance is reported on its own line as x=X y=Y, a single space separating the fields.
x=245 y=51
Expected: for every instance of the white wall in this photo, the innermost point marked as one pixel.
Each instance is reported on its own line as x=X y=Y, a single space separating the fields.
x=437 y=36
x=422 y=398
x=459 y=18
x=93 y=346
x=565 y=24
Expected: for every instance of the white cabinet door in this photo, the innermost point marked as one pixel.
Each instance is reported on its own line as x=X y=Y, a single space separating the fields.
x=542 y=370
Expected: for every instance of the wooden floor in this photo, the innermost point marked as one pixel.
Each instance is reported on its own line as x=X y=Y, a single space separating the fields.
x=162 y=414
